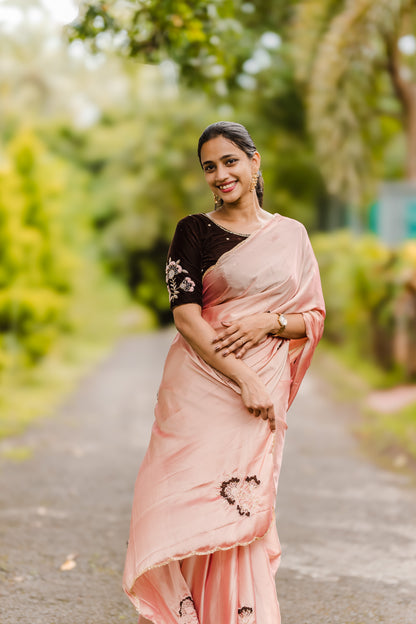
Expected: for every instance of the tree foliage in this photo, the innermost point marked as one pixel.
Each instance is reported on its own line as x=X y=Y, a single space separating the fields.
x=208 y=41
x=35 y=264
x=369 y=293
x=359 y=86
x=202 y=38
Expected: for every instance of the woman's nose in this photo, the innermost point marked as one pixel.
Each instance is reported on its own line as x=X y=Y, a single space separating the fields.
x=221 y=173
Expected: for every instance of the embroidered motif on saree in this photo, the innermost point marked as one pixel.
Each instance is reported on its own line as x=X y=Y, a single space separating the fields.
x=241 y=492
x=187 y=613
x=246 y=615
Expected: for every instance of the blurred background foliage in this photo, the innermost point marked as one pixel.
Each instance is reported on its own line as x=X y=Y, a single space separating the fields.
x=99 y=123
x=35 y=265
x=370 y=297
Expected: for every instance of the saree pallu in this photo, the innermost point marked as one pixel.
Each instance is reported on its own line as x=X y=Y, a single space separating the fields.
x=203 y=546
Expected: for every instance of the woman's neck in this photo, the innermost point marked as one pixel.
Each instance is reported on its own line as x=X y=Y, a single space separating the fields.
x=246 y=213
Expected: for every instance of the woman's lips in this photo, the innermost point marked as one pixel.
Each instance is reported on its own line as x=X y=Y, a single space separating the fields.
x=227 y=188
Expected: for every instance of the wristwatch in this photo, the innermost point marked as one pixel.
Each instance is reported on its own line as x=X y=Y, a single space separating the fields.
x=282 y=320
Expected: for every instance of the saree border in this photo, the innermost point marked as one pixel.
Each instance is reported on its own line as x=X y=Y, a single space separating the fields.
x=199 y=553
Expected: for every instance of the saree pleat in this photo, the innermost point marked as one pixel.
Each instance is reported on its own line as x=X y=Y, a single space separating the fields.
x=234 y=586
x=230 y=587
x=203 y=545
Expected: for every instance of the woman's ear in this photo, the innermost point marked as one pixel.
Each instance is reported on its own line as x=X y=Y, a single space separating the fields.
x=255 y=161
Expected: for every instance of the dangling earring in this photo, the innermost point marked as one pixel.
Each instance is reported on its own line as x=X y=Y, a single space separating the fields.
x=217 y=201
x=253 y=182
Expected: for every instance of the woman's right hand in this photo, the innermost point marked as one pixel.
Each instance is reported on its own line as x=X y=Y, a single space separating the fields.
x=257 y=399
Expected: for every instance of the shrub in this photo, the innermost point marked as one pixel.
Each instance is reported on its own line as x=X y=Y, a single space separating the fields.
x=363 y=283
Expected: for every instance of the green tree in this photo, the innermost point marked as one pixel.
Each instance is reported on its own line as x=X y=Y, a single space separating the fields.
x=35 y=264
x=361 y=86
x=208 y=41
x=200 y=37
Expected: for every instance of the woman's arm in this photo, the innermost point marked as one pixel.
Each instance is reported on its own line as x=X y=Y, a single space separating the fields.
x=200 y=335
x=239 y=336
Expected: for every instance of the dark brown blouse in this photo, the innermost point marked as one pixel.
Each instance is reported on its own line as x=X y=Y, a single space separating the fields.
x=197 y=244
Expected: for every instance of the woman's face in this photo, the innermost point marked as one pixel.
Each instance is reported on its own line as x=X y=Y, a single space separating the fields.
x=228 y=170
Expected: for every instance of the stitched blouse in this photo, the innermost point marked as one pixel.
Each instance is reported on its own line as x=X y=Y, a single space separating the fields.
x=197 y=244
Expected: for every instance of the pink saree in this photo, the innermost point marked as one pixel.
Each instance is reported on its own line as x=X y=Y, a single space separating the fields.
x=203 y=545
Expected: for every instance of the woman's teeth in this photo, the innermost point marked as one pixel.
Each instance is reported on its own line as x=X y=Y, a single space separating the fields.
x=226 y=187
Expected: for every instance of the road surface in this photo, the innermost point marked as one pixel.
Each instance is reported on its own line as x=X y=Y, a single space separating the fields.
x=348 y=528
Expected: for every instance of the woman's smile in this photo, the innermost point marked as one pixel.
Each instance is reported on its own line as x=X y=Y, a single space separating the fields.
x=228 y=186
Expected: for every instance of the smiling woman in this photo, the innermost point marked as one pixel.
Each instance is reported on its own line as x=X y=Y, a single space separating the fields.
x=245 y=292
x=243 y=160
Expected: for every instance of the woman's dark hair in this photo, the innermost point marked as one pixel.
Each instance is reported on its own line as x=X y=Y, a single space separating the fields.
x=237 y=134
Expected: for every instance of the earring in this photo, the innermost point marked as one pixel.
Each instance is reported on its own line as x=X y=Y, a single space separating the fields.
x=217 y=201
x=254 y=179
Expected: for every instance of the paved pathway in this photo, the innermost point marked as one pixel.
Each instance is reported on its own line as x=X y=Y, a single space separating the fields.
x=348 y=529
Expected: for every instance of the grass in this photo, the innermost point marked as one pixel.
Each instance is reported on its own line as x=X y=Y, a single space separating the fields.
x=101 y=312
x=388 y=437
x=363 y=373
x=392 y=437
x=17 y=454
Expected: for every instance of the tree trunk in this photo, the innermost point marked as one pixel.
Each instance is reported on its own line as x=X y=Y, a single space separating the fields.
x=410 y=113
x=406 y=93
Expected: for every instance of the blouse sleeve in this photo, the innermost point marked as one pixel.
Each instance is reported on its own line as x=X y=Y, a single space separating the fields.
x=183 y=267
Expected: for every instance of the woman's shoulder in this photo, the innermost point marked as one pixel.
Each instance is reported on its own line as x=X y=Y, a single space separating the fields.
x=196 y=224
x=192 y=220
x=292 y=225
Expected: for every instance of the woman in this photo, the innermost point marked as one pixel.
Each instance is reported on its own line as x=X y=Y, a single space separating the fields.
x=247 y=302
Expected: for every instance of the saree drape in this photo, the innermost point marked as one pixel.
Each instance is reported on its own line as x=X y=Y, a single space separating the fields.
x=203 y=546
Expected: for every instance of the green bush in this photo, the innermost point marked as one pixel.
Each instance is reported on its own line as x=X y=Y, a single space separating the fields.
x=363 y=281
x=35 y=261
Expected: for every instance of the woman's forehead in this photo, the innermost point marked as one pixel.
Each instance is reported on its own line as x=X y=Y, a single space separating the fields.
x=218 y=147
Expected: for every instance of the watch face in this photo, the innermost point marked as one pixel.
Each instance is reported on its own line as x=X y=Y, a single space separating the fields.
x=282 y=320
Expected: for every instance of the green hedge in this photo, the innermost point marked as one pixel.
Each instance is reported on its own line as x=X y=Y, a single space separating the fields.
x=364 y=284
x=36 y=263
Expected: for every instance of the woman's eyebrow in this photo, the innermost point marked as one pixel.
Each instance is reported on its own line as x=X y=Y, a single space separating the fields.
x=206 y=162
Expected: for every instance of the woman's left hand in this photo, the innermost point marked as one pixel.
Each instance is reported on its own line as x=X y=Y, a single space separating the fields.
x=238 y=337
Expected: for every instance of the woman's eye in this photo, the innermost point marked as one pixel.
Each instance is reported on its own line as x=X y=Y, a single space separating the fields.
x=208 y=168
x=231 y=161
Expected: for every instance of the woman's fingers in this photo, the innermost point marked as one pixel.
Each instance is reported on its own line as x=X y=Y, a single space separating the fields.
x=272 y=419
x=223 y=335
x=228 y=340
x=235 y=338
x=243 y=349
x=232 y=344
x=228 y=343
x=266 y=413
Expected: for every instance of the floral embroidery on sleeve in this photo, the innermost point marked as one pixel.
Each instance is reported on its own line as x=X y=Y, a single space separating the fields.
x=173 y=269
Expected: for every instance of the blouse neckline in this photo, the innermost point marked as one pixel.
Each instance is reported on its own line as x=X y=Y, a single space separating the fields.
x=224 y=228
